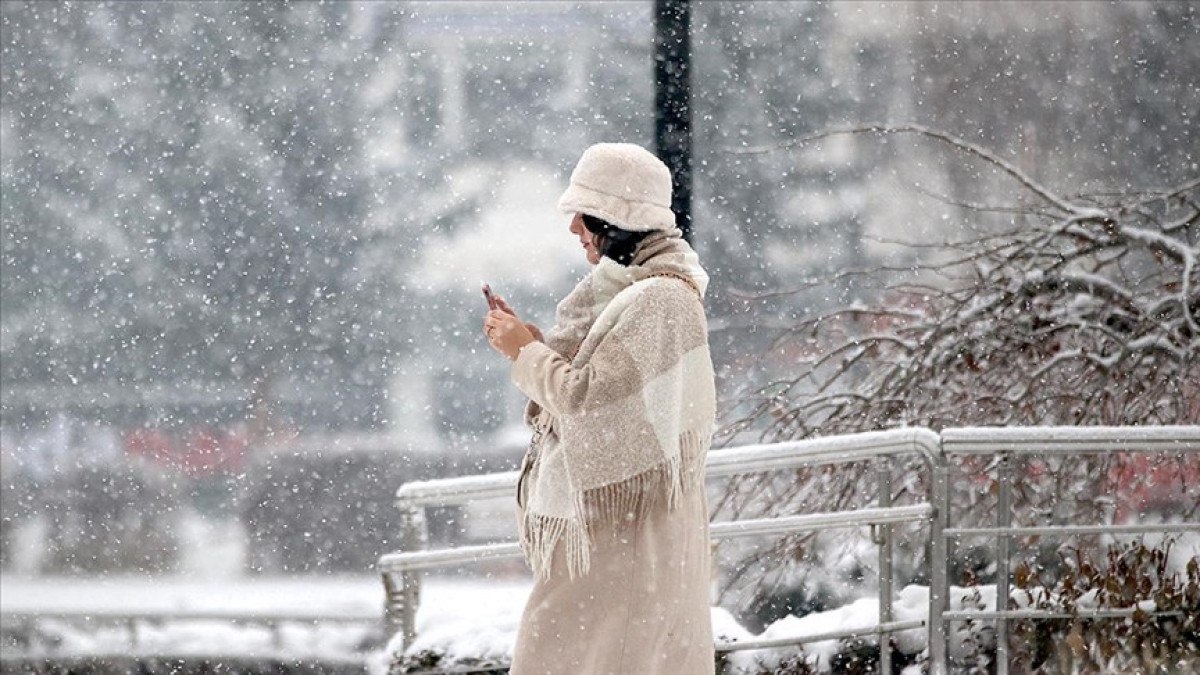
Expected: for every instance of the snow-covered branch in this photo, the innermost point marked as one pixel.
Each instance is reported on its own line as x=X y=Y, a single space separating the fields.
x=1078 y=311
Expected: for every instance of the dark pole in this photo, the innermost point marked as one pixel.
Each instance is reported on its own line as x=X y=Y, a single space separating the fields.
x=673 y=102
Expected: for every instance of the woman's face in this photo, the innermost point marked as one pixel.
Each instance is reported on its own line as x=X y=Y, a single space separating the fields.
x=585 y=239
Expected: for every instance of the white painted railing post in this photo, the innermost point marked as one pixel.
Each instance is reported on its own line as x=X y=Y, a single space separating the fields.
x=1003 y=557
x=939 y=562
x=884 y=541
x=403 y=589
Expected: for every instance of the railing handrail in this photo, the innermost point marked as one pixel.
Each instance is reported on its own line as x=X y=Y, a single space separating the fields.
x=1069 y=440
x=401 y=561
x=823 y=451
x=722 y=462
x=851 y=633
x=458 y=490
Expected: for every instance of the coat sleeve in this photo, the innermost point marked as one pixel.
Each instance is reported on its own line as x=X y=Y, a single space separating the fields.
x=546 y=377
x=642 y=334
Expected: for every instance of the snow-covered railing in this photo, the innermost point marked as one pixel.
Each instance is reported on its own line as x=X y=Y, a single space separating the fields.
x=400 y=570
x=1009 y=442
x=401 y=576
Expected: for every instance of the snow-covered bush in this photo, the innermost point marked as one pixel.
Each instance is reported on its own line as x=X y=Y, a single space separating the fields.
x=1049 y=309
x=1129 y=575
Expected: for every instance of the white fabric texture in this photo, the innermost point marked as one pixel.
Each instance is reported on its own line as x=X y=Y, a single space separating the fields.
x=624 y=184
x=622 y=398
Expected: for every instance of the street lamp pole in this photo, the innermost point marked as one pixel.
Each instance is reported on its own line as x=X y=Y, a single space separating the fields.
x=673 y=102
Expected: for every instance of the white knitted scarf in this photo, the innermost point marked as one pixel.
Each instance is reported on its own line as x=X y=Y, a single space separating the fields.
x=635 y=418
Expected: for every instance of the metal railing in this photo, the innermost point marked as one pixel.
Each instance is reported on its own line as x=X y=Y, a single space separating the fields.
x=401 y=570
x=1006 y=443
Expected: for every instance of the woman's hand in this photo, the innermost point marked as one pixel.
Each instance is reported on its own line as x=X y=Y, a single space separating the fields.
x=502 y=305
x=506 y=333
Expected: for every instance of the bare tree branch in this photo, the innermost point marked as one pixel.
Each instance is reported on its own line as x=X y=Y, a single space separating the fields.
x=966 y=146
x=1081 y=311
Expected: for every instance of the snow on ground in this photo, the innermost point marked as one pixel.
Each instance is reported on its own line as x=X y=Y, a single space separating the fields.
x=325 y=641
x=466 y=623
x=459 y=617
x=336 y=596
x=912 y=603
x=726 y=628
x=468 y=618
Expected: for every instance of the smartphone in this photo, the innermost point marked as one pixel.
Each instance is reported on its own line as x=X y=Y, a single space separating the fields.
x=491 y=299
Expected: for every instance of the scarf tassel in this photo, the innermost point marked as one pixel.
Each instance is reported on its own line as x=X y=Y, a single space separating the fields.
x=605 y=509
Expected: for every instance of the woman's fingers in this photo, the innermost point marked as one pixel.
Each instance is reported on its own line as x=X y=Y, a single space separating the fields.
x=506 y=333
x=491 y=321
x=499 y=320
x=504 y=305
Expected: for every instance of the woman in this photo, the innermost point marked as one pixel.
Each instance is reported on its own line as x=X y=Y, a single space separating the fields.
x=612 y=511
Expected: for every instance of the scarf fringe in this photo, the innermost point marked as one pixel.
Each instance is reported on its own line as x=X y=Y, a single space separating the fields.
x=601 y=509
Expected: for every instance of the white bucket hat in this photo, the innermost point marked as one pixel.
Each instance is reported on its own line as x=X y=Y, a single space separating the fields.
x=624 y=184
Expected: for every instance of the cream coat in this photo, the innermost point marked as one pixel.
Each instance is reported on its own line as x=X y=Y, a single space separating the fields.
x=643 y=606
x=642 y=609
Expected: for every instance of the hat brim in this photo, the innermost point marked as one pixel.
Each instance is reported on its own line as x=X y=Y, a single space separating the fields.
x=627 y=214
